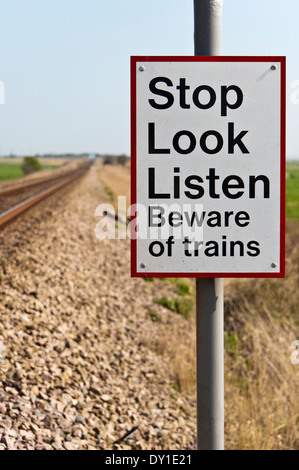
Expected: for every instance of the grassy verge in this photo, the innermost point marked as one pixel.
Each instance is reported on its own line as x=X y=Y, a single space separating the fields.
x=9 y=171
x=109 y=193
x=183 y=307
x=292 y=191
x=261 y=383
x=117 y=179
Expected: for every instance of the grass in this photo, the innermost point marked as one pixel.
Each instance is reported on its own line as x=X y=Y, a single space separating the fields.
x=154 y=316
x=9 y=171
x=109 y=193
x=292 y=192
x=183 y=289
x=117 y=178
x=231 y=343
x=183 y=307
x=261 y=383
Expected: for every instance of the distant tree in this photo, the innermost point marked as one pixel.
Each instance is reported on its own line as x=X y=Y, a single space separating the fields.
x=122 y=159
x=30 y=165
x=108 y=160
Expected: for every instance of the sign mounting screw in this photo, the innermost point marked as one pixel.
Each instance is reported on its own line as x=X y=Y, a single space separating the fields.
x=273 y=67
x=274 y=265
x=143 y=265
x=141 y=68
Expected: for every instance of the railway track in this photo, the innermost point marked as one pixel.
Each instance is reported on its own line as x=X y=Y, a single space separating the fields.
x=16 y=200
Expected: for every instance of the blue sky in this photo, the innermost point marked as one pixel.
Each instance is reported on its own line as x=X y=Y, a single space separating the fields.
x=65 y=64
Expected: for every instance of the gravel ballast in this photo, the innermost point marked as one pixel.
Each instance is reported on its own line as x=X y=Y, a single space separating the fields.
x=78 y=371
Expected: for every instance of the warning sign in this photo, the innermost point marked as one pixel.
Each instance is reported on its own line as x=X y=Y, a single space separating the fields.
x=208 y=166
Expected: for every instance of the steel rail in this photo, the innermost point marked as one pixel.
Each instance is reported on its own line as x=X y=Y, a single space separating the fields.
x=10 y=214
x=23 y=187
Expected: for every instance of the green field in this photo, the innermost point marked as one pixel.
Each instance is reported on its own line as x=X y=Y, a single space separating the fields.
x=9 y=171
x=292 y=191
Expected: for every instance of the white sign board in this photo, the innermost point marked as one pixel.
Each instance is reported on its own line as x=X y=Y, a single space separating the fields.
x=208 y=166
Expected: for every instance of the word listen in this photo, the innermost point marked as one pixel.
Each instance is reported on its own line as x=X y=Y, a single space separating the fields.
x=232 y=187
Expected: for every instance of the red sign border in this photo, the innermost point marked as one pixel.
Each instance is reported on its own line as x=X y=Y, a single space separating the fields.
x=272 y=59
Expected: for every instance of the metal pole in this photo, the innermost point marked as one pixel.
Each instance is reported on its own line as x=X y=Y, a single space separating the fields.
x=208 y=27
x=209 y=292
x=210 y=364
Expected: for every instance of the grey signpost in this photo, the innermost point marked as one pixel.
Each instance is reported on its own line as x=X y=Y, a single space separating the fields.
x=190 y=233
x=209 y=292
